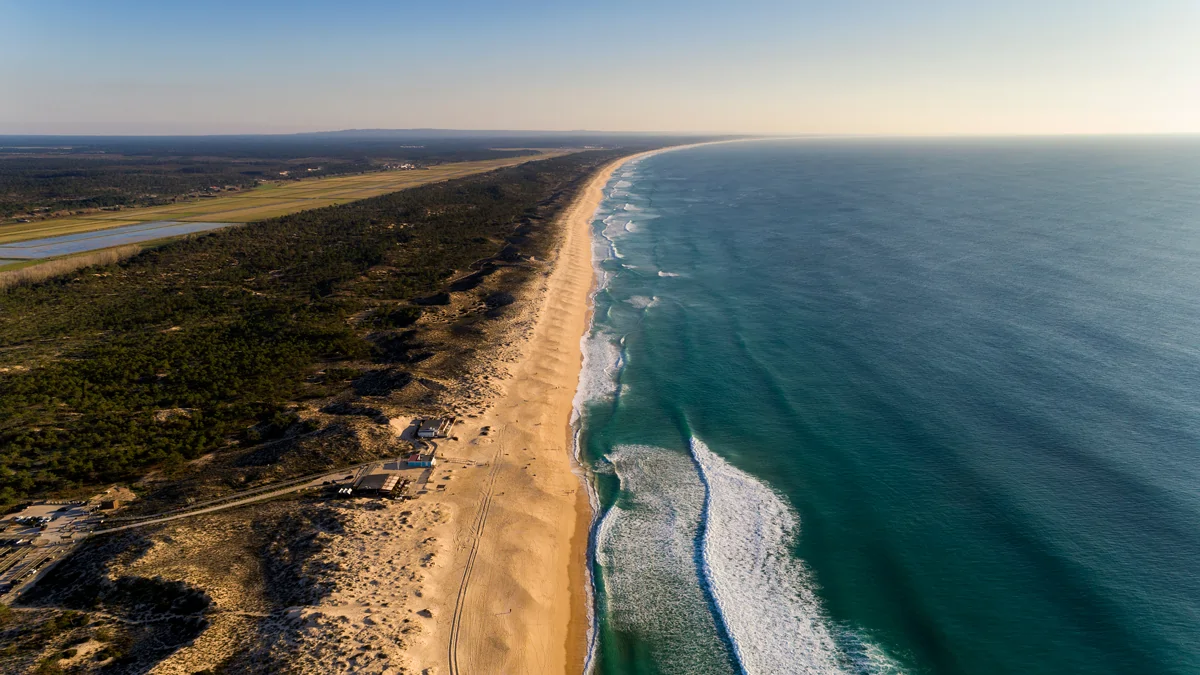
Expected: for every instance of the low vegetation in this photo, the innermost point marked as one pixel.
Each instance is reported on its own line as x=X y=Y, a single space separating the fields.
x=43 y=271
x=234 y=325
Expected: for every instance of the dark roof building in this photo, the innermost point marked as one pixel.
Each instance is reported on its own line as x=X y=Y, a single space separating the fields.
x=435 y=427
x=377 y=482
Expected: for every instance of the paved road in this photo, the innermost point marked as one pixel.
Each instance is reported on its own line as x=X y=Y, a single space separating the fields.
x=331 y=477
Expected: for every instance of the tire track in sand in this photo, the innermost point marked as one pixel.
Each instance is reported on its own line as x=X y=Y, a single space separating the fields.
x=480 y=521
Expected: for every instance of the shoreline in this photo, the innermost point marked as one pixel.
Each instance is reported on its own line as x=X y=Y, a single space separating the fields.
x=583 y=552
x=511 y=588
x=512 y=594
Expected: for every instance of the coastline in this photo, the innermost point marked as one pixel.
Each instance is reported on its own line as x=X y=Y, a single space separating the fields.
x=521 y=564
x=514 y=595
x=581 y=633
x=488 y=571
x=582 y=630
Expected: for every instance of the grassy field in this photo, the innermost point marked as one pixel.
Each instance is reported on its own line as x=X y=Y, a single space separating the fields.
x=267 y=201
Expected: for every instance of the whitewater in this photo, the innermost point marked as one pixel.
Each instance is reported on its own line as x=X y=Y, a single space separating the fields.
x=689 y=553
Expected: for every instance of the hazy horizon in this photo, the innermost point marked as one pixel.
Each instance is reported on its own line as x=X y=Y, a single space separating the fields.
x=536 y=133
x=862 y=67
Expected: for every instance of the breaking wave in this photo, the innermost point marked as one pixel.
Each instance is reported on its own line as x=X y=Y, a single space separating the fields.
x=645 y=546
x=696 y=557
x=763 y=595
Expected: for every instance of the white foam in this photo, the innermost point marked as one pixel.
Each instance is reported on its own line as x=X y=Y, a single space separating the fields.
x=645 y=546
x=667 y=274
x=630 y=227
x=601 y=351
x=614 y=227
x=602 y=359
x=642 y=302
x=764 y=595
x=598 y=375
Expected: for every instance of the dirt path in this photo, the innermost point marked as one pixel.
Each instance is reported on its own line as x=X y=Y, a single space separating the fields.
x=480 y=522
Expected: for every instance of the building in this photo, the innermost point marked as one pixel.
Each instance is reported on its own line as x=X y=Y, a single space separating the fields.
x=418 y=460
x=382 y=484
x=435 y=427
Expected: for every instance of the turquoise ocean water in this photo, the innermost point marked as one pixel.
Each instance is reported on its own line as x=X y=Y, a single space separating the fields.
x=872 y=406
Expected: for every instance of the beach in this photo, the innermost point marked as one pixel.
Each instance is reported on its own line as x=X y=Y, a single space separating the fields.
x=509 y=594
x=486 y=570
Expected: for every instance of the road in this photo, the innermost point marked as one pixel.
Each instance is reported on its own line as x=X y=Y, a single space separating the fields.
x=40 y=560
x=259 y=495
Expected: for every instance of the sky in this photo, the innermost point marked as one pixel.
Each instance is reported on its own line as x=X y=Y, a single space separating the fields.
x=895 y=67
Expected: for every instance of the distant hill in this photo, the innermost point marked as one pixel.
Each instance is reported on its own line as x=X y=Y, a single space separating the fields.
x=471 y=133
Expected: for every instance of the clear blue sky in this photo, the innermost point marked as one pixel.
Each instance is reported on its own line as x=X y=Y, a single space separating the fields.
x=831 y=66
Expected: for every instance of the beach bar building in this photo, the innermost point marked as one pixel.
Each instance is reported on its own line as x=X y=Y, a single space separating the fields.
x=435 y=427
x=382 y=484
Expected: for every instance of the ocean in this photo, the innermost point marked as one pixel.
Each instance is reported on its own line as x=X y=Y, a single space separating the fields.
x=897 y=406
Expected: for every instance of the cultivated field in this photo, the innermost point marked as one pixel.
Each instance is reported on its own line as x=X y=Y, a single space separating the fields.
x=266 y=201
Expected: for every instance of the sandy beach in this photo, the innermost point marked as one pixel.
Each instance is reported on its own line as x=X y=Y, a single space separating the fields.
x=514 y=592
x=485 y=572
x=521 y=597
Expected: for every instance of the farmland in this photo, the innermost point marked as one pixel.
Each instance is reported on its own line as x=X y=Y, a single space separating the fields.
x=265 y=201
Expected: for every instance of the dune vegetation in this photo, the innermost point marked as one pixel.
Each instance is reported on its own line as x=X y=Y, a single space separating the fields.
x=233 y=325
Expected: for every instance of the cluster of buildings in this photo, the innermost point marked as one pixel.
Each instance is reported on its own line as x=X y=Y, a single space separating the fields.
x=388 y=482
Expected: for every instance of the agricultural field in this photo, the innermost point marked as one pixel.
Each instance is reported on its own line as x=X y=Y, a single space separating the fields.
x=266 y=201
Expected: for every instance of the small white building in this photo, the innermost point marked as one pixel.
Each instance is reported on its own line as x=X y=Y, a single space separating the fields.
x=435 y=427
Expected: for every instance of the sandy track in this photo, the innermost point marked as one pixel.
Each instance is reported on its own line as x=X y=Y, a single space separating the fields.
x=459 y=604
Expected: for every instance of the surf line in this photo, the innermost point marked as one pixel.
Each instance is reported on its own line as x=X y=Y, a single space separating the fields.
x=585 y=393
x=592 y=348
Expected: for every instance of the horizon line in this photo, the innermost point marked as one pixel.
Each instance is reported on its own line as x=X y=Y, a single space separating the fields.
x=502 y=132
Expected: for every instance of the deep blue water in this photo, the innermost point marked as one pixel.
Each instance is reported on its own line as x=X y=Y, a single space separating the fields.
x=899 y=406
